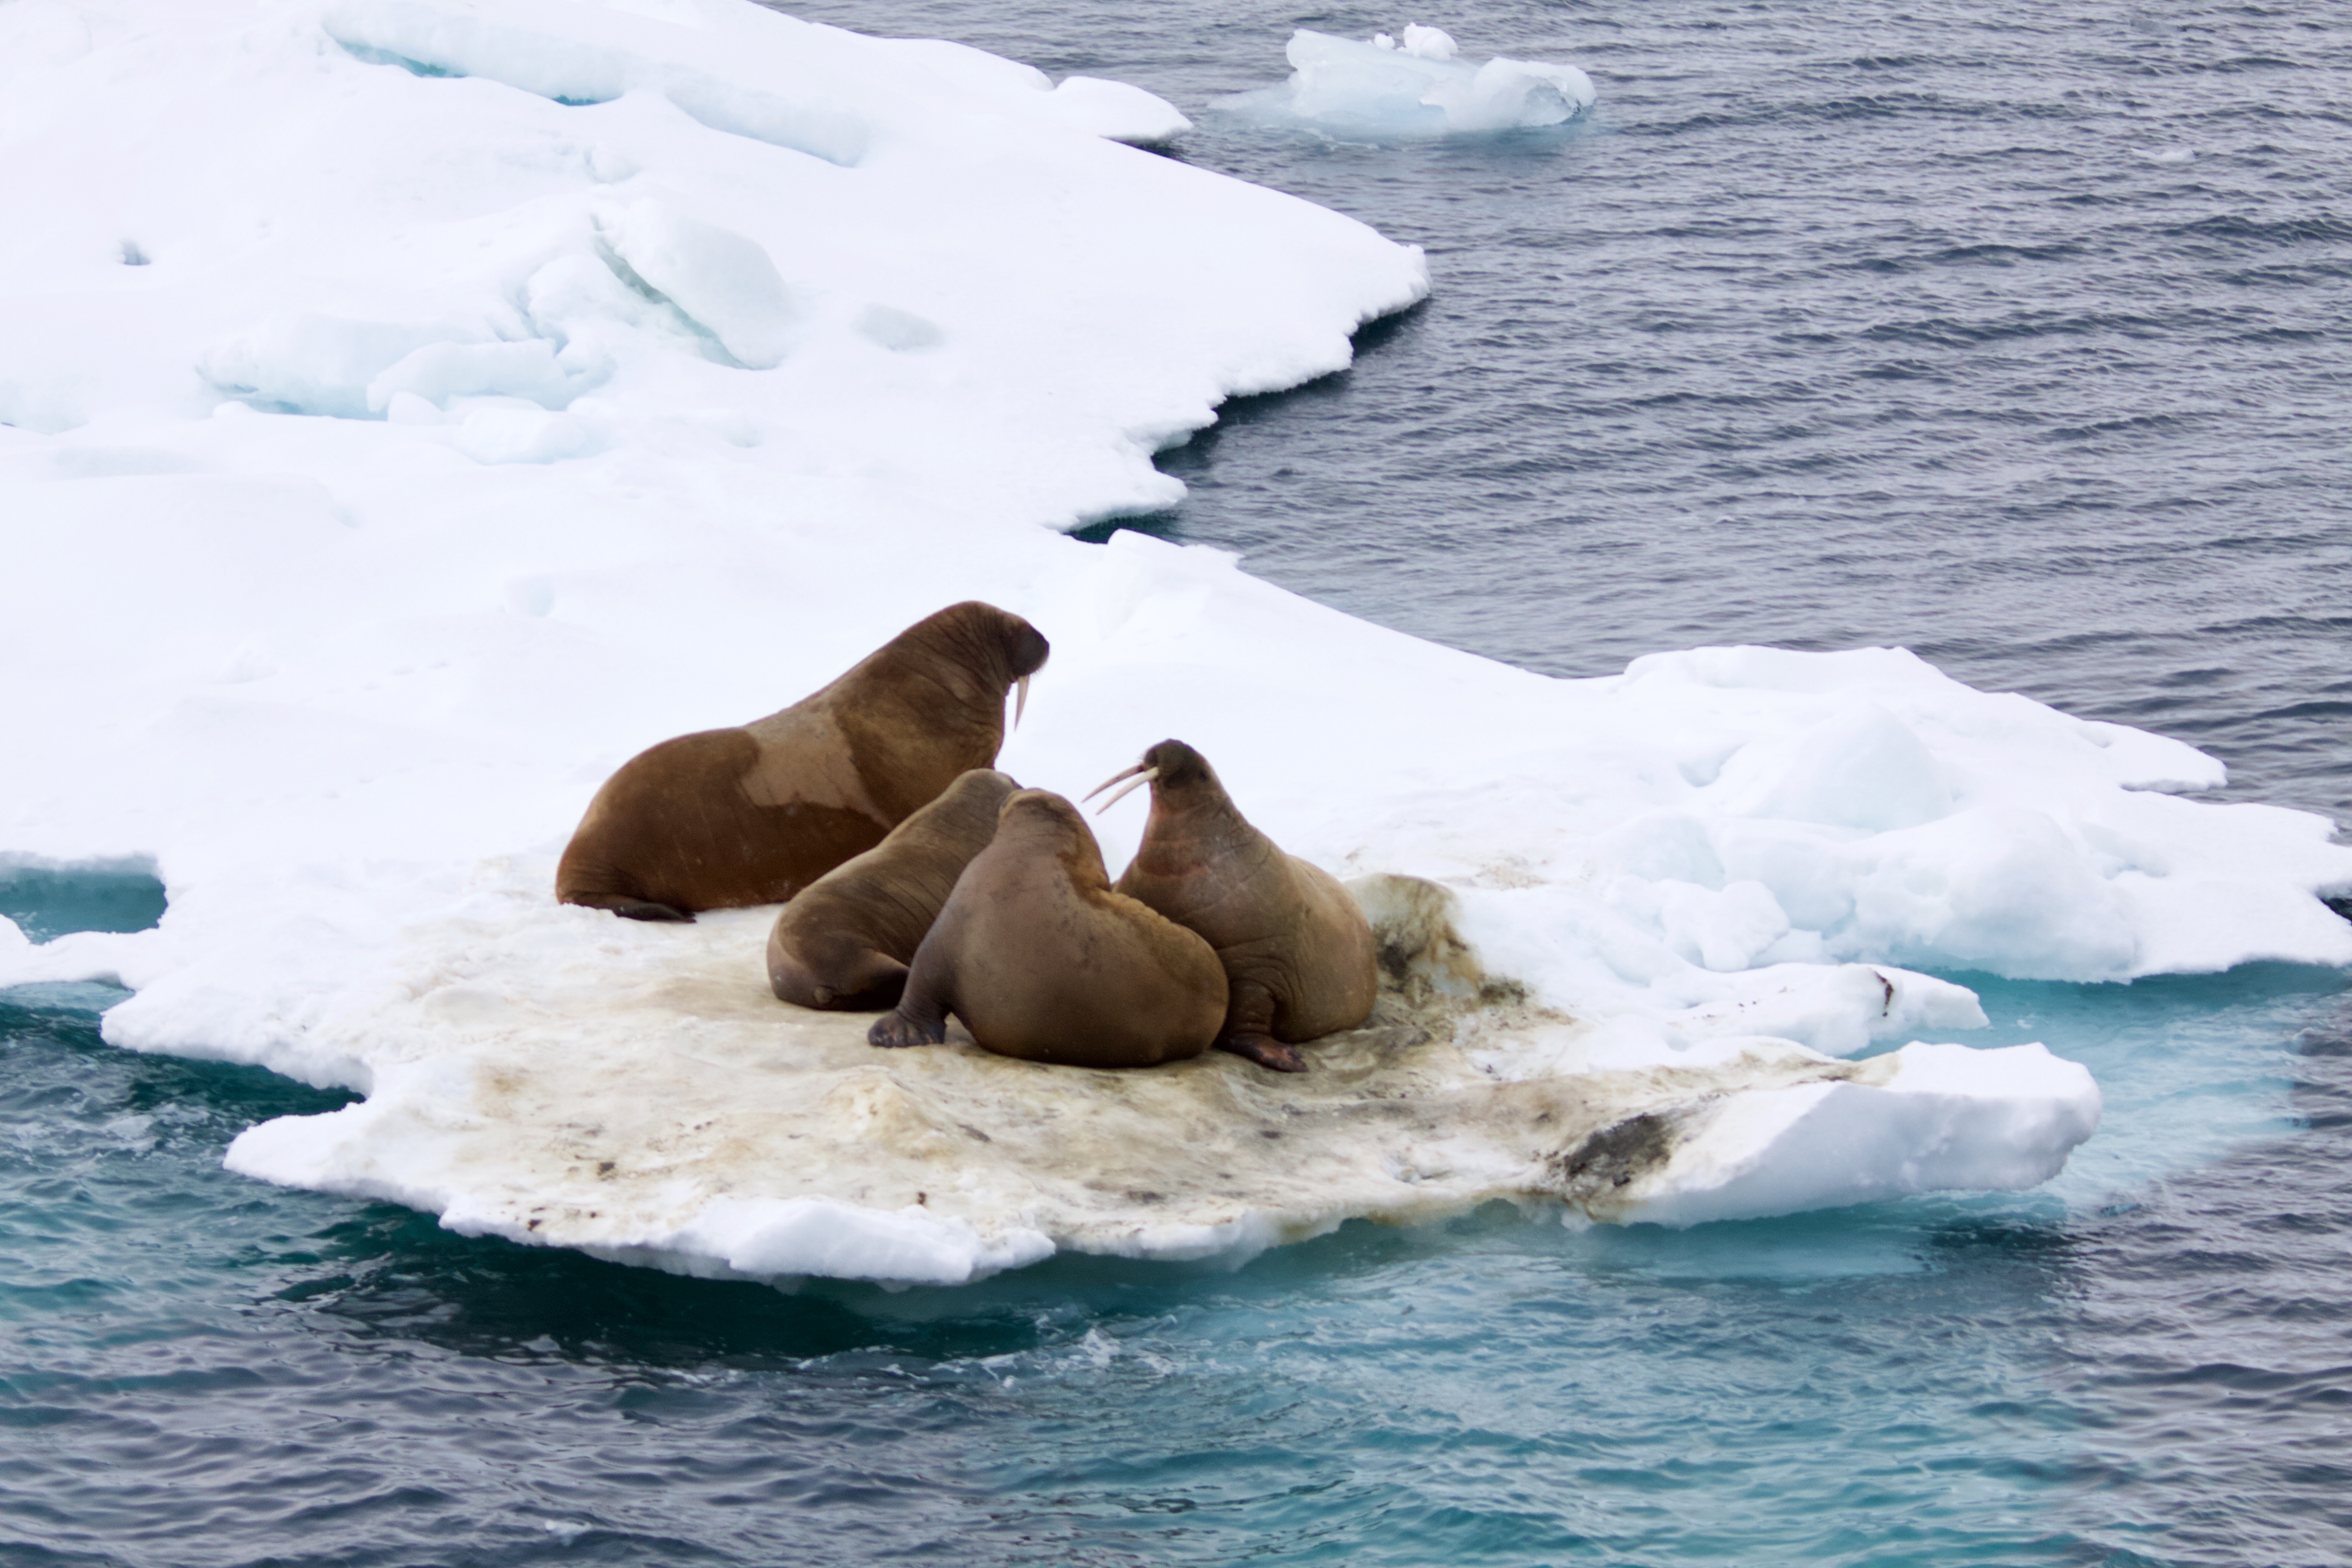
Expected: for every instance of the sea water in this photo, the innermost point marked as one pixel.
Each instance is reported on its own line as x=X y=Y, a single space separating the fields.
x=2016 y=340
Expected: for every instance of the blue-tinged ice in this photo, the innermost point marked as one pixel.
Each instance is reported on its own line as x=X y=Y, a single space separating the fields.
x=1398 y=89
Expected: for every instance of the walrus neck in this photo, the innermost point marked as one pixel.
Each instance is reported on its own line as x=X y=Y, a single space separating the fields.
x=1188 y=828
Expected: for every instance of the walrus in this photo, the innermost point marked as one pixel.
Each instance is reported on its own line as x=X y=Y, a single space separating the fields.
x=844 y=941
x=722 y=818
x=1298 y=952
x=1043 y=960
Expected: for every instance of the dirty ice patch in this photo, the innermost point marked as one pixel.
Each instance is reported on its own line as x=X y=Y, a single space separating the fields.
x=1410 y=88
x=558 y=1077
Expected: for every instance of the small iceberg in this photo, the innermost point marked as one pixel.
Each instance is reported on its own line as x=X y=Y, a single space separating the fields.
x=1410 y=87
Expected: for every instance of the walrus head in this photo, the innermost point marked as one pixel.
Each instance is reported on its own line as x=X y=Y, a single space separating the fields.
x=1041 y=817
x=1177 y=773
x=994 y=644
x=1194 y=828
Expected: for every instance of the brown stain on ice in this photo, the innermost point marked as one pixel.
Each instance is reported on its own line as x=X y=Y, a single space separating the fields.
x=703 y=1087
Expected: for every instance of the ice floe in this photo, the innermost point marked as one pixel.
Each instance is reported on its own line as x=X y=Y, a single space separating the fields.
x=580 y=375
x=1409 y=86
x=635 y=1093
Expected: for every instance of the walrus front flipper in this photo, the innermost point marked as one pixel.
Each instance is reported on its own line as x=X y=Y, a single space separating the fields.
x=1265 y=1050
x=630 y=909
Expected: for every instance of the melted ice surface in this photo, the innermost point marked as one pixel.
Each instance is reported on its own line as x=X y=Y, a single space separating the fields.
x=585 y=375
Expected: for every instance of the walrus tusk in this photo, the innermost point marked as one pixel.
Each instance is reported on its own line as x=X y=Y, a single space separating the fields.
x=1142 y=776
x=1020 y=699
x=1122 y=773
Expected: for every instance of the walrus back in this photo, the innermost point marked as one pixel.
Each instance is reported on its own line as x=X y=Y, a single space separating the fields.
x=1043 y=962
x=675 y=828
x=844 y=942
x=1335 y=975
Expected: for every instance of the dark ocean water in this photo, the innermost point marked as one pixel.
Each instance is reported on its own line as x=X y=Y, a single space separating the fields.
x=1834 y=325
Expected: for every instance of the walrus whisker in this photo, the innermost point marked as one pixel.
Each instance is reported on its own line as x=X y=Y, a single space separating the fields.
x=1133 y=785
x=1020 y=699
x=1122 y=773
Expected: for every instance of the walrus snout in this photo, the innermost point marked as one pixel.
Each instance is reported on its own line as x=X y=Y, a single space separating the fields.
x=1171 y=763
x=1026 y=656
x=1028 y=650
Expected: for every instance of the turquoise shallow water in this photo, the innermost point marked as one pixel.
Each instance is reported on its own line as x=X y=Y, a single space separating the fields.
x=1833 y=326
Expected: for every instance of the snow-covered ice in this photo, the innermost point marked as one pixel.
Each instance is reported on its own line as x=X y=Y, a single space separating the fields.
x=1412 y=86
x=409 y=411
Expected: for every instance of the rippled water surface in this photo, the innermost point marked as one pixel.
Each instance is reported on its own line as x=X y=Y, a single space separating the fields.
x=2018 y=339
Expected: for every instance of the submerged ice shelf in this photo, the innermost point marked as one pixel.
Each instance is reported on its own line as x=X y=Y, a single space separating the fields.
x=596 y=375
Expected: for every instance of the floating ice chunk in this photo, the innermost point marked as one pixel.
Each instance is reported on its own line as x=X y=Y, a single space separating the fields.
x=1117 y=111
x=1946 y=1118
x=1387 y=91
x=639 y=1094
x=720 y=279
x=1428 y=43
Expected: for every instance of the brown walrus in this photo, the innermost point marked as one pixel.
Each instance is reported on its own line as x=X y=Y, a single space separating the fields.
x=751 y=815
x=1298 y=952
x=845 y=940
x=1043 y=960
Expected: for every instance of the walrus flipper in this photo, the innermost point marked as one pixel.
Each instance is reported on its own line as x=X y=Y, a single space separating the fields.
x=893 y=1030
x=866 y=982
x=1265 y=1050
x=631 y=909
x=1251 y=1018
x=921 y=1015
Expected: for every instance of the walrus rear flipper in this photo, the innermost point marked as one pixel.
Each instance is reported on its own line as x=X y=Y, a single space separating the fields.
x=1265 y=1050
x=894 y=1029
x=863 y=981
x=630 y=909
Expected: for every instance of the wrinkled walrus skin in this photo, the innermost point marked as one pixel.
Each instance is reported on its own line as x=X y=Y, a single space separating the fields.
x=1298 y=952
x=1043 y=962
x=845 y=941
x=723 y=818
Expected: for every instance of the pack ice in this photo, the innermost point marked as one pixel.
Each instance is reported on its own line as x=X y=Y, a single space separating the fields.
x=410 y=409
x=1412 y=85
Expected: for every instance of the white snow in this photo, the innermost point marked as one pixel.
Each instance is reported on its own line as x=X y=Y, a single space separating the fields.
x=500 y=387
x=1399 y=89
